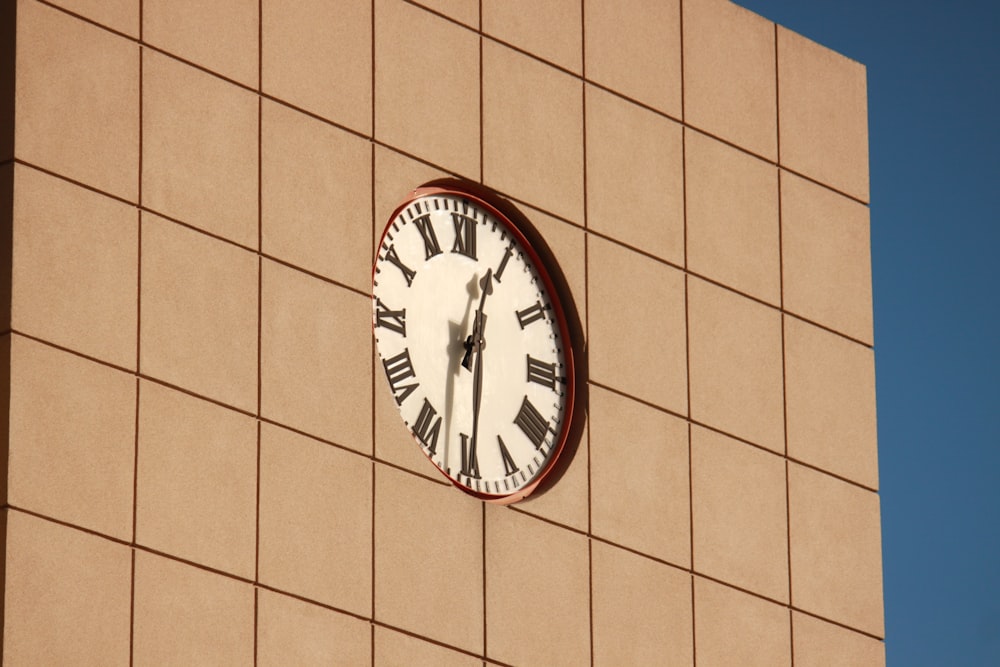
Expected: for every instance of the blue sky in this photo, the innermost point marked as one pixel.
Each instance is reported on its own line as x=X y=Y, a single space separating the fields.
x=934 y=131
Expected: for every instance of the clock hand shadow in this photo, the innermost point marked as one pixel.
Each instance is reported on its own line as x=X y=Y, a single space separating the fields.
x=457 y=333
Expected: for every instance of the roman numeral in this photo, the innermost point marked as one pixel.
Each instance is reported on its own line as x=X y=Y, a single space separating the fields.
x=426 y=427
x=532 y=423
x=529 y=315
x=503 y=263
x=541 y=373
x=465 y=235
x=470 y=462
x=431 y=246
x=508 y=463
x=397 y=369
x=408 y=273
x=393 y=320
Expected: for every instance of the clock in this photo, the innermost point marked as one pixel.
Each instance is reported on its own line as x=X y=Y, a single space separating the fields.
x=473 y=340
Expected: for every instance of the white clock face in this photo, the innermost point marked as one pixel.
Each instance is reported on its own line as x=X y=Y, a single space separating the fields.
x=473 y=346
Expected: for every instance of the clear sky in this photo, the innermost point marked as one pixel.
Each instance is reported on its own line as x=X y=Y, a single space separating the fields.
x=934 y=132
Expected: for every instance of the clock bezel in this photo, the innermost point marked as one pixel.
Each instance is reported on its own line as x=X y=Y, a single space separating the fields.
x=481 y=198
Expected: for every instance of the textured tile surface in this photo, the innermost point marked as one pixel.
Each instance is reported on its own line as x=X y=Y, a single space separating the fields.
x=635 y=180
x=416 y=43
x=77 y=100
x=637 y=321
x=198 y=325
x=818 y=643
x=318 y=56
x=729 y=75
x=734 y=628
x=732 y=218
x=634 y=48
x=75 y=267
x=290 y=631
x=836 y=554
x=71 y=438
x=831 y=402
x=823 y=107
x=316 y=363
x=739 y=514
x=221 y=36
x=639 y=477
x=429 y=564
x=549 y=30
x=826 y=257
x=736 y=383
x=66 y=595
x=187 y=616
x=197 y=480
x=532 y=141
x=315 y=520
x=641 y=608
x=527 y=560
x=316 y=184
x=199 y=149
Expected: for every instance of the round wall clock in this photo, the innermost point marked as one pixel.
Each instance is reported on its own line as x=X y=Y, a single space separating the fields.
x=473 y=341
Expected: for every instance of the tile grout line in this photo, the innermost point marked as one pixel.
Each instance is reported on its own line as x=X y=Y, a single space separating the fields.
x=687 y=342
x=260 y=312
x=138 y=346
x=784 y=373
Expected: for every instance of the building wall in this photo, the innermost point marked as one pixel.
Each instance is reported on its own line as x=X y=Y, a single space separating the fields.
x=203 y=462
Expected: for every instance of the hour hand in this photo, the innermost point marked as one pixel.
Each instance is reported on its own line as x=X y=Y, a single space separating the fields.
x=475 y=342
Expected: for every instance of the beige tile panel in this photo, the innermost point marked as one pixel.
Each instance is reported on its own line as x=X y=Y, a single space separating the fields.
x=634 y=48
x=463 y=11
x=736 y=381
x=821 y=644
x=830 y=398
x=736 y=628
x=637 y=328
x=639 y=477
x=740 y=520
x=188 y=616
x=317 y=55
x=198 y=326
x=316 y=357
x=199 y=149
x=537 y=592
x=732 y=218
x=315 y=520
x=77 y=100
x=75 y=267
x=427 y=86
x=826 y=256
x=316 y=195
x=222 y=35
x=549 y=30
x=729 y=75
x=836 y=552
x=293 y=632
x=395 y=649
x=823 y=114
x=635 y=180
x=196 y=494
x=67 y=595
x=641 y=609
x=429 y=559
x=532 y=131
x=72 y=438
x=120 y=15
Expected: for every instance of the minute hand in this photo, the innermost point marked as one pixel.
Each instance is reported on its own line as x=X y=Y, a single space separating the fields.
x=478 y=343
